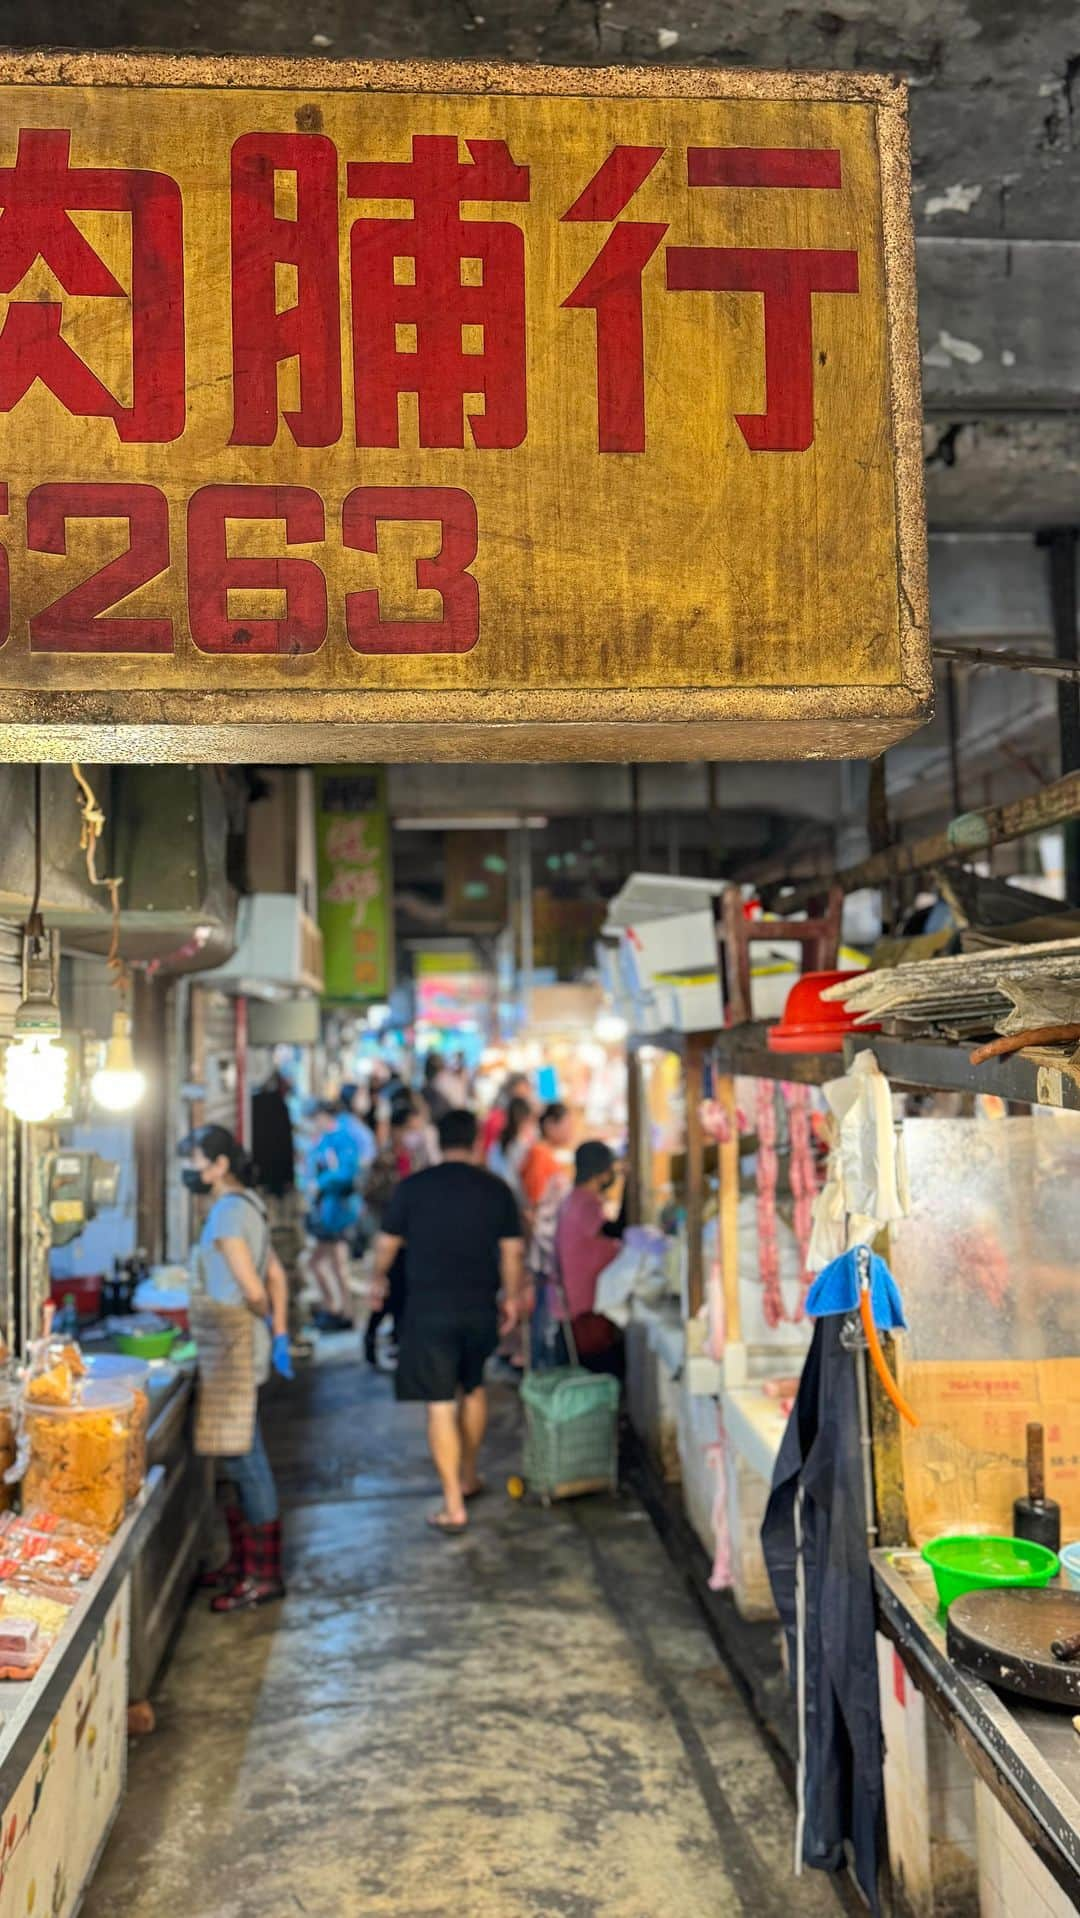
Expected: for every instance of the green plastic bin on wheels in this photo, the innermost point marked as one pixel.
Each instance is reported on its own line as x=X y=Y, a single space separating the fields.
x=571 y=1432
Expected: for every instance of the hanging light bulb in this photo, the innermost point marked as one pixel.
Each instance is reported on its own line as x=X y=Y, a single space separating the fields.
x=118 y=1085
x=35 y=1080
x=35 y=1066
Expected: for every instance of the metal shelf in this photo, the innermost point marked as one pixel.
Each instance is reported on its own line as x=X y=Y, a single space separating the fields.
x=921 y=1065
x=742 y=1051
x=933 y=1065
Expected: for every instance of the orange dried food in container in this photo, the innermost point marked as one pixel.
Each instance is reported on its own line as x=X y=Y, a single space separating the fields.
x=120 y=1368
x=140 y=1423
x=79 y=1456
x=56 y=1386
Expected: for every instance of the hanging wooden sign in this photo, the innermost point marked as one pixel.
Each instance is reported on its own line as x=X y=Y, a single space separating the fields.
x=406 y=411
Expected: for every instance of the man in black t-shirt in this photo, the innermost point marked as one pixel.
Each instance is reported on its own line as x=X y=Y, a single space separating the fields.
x=461 y=1233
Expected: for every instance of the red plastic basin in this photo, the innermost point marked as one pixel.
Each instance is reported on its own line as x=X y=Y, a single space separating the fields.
x=813 y=1024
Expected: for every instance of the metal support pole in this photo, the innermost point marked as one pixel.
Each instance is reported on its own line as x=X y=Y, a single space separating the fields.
x=1061 y=543
x=694 y=1083
x=525 y=919
x=953 y=724
x=636 y=1118
x=673 y=843
x=637 y=819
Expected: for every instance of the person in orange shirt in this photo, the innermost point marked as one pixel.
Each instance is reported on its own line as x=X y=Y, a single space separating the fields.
x=543 y=1163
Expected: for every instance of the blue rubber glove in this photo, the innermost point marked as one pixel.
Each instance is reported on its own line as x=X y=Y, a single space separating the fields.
x=280 y=1357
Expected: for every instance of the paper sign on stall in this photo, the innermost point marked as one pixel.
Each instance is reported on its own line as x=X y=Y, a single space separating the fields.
x=966 y=1462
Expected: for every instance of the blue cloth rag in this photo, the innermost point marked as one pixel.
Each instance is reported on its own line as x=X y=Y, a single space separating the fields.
x=836 y=1291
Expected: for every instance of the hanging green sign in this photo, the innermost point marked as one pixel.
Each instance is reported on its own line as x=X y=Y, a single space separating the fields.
x=355 y=897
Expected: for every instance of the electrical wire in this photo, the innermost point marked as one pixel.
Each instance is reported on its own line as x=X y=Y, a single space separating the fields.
x=93 y=826
x=33 y=924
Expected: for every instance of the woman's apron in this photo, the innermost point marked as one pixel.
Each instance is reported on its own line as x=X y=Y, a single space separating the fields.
x=233 y=1363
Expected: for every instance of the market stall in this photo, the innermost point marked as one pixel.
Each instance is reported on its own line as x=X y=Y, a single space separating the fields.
x=63 y=1733
x=102 y=1514
x=734 y=1134
x=572 y=1049
x=671 y=1178
x=723 y=1155
x=982 y=1789
x=754 y=1321
x=980 y=1783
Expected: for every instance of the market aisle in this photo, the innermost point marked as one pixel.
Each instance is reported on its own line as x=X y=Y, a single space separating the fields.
x=527 y=1721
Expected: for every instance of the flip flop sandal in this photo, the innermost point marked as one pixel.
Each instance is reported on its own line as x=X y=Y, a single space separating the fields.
x=477 y=1492
x=438 y=1523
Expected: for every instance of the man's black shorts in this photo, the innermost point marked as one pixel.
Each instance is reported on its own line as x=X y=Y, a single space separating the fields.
x=436 y=1358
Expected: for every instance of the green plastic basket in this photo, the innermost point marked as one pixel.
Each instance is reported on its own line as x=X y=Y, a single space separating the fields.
x=571 y=1432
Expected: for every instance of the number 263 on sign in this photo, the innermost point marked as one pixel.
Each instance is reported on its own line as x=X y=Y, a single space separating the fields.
x=81 y=619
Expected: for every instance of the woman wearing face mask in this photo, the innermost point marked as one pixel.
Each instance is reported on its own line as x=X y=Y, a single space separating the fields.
x=239 y=1316
x=586 y=1242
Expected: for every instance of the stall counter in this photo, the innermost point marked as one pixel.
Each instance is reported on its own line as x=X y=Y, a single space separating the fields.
x=63 y=1736
x=1025 y=1832
x=755 y=1426
x=168 y=1558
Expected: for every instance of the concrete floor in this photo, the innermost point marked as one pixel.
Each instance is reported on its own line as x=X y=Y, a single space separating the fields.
x=528 y=1722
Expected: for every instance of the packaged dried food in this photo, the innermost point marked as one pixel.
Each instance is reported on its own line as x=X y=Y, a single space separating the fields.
x=49 y=1581
x=79 y=1455
x=51 y=1613
x=52 y=1539
x=29 y=1626
x=134 y=1374
x=18 y=1638
x=23 y=1645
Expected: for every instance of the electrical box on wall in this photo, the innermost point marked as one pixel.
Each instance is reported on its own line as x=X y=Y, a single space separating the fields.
x=78 y=1185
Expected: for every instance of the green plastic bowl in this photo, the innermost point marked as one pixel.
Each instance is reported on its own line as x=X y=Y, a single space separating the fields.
x=962 y=1563
x=146 y=1345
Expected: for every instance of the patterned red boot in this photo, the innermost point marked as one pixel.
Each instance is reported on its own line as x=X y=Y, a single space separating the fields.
x=222 y=1577
x=262 y=1582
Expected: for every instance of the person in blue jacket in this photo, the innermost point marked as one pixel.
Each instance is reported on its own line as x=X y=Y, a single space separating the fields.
x=367 y=1151
x=332 y=1182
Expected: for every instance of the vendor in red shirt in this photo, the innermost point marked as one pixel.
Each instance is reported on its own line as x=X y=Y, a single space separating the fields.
x=586 y=1243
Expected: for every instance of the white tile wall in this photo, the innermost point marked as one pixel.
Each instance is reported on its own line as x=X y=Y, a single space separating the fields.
x=1013 y=1882
x=907 y=1801
x=698 y=1431
x=747 y=1497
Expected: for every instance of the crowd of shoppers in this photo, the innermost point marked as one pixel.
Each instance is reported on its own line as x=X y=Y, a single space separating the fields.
x=485 y=1228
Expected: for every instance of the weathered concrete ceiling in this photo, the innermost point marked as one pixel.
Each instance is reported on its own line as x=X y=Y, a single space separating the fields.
x=451 y=791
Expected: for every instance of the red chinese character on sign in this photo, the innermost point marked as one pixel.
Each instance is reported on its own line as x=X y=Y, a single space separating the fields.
x=787 y=278
x=308 y=331
x=438 y=301
x=612 y=287
x=38 y=195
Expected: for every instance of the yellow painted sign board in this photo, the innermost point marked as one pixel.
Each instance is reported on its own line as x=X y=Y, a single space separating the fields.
x=438 y=411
